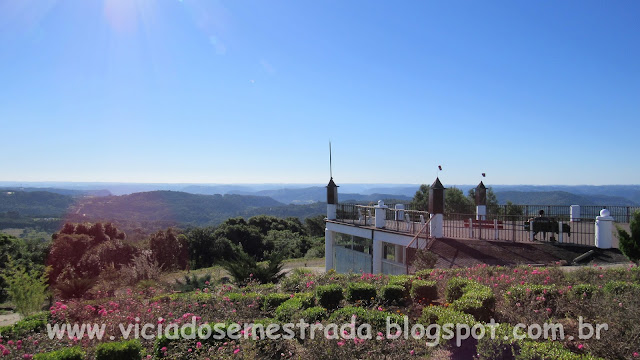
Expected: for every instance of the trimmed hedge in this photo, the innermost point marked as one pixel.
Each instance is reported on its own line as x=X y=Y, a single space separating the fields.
x=290 y=308
x=329 y=296
x=361 y=291
x=393 y=294
x=377 y=319
x=243 y=298
x=548 y=350
x=274 y=300
x=424 y=291
x=123 y=350
x=455 y=288
x=314 y=314
x=442 y=315
x=472 y=298
x=71 y=353
x=402 y=280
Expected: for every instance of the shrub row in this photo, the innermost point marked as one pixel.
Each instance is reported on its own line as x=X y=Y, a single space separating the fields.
x=329 y=296
x=294 y=306
x=71 y=353
x=505 y=346
x=470 y=297
x=361 y=291
x=376 y=318
x=31 y=323
x=424 y=291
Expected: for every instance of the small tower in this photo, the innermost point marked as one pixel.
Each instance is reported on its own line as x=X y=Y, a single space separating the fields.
x=436 y=209
x=332 y=200
x=436 y=197
x=481 y=201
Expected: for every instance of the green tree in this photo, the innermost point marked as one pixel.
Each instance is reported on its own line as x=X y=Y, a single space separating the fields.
x=206 y=248
x=239 y=232
x=170 y=249
x=630 y=243
x=27 y=289
x=456 y=203
x=315 y=225
x=421 y=198
x=290 y=244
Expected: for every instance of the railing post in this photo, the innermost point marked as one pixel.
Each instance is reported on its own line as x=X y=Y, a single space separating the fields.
x=604 y=230
x=560 y=232
x=495 y=226
x=470 y=228
x=531 y=230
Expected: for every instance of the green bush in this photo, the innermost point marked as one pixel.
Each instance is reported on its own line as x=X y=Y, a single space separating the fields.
x=547 y=350
x=123 y=350
x=502 y=346
x=243 y=298
x=583 y=291
x=314 y=314
x=361 y=291
x=476 y=299
x=442 y=315
x=329 y=296
x=193 y=282
x=424 y=291
x=455 y=288
x=274 y=300
x=393 y=294
x=71 y=353
x=402 y=280
x=377 y=319
x=30 y=324
x=621 y=287
x=630 y=243
x=292 y=307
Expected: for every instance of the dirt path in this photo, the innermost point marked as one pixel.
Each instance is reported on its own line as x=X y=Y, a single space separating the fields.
x=9 y=319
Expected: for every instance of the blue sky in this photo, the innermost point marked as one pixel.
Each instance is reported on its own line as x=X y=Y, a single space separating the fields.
x=202 y=91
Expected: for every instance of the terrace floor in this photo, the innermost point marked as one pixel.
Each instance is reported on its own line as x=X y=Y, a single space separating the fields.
x=470 y=252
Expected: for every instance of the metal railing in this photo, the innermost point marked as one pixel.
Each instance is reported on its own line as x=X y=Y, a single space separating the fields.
x=518 y=228
x=399 y=220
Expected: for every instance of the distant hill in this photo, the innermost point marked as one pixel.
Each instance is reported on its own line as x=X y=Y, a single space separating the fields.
x=35 y=203
x=70 y=192
x=172 y=206
x=560 y=198
x=318 y=194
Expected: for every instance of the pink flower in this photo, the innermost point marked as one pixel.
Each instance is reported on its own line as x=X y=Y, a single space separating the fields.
x=237 y=350
x=580 y=346
x=635 y=354
x=412 y=352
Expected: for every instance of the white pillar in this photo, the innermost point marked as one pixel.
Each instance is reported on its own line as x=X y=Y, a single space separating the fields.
x=381 y=214
x=377 y=256
x=436 y=226
x=574 y=211
x=604 y=230
x=560 y=235
x=331 y=211
x=399 y=212
x=399 y=253
x=481 y=212
x=328 y=249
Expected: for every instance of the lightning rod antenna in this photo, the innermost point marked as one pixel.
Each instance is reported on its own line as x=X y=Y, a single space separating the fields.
x=330 y=164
